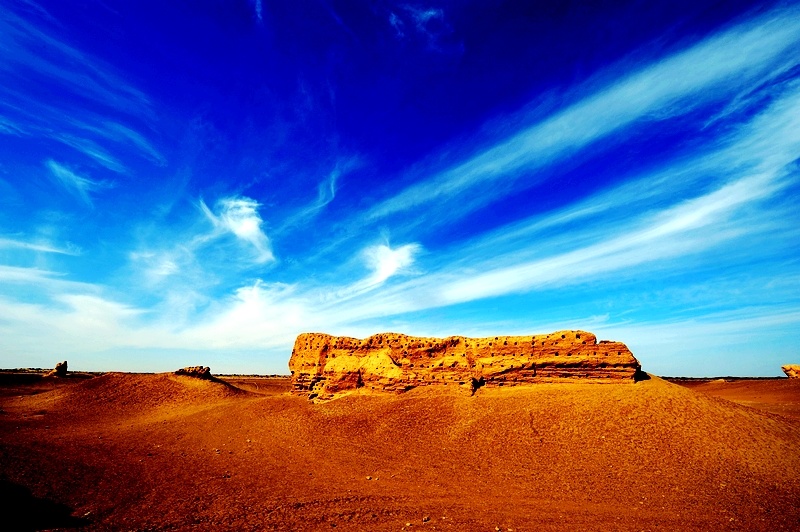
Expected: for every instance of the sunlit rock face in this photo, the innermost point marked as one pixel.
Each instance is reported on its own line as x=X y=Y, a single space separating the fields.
x=323 y=365
x=792 y=370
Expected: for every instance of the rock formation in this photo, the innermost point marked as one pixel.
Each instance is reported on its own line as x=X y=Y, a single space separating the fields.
x=792 y=370
x=59 y=371
x=200 y=372
x=322 y=365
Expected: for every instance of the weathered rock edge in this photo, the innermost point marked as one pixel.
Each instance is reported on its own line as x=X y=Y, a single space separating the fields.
x=792 y=370
x=198 y=372
x=322 y=365
x=59 y=371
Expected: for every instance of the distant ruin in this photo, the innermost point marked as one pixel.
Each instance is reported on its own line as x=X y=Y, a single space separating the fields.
x=323 y=365
x=199 y=372
x=59 y=371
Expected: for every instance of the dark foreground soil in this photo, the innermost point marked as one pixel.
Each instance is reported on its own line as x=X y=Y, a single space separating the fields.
x=161 y=452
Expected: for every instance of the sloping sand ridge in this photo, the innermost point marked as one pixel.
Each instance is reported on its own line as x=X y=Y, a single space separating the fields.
x=164 y=452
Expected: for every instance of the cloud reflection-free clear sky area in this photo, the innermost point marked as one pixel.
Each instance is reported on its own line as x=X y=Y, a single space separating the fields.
x=198 y=182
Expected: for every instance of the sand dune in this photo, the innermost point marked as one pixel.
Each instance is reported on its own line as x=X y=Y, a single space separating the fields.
x=164 y=452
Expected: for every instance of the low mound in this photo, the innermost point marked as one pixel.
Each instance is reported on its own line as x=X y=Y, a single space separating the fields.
x=122 y=393
x=557 y=456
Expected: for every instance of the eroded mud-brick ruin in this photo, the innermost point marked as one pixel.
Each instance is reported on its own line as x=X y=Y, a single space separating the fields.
x=323 y=365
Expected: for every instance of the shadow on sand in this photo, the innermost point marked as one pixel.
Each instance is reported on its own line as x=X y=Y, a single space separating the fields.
x=22 y=511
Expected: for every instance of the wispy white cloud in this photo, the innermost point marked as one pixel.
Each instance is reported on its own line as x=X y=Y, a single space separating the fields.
x=383 y=262
x=421 y=23
x=92 y=150
x=264 y=314
x=83 y=103
x=76 y=71
x=728 y=195
x=386 y=262
x=9 y=127
x=325 y=194
x=259 y=315
x=768 y=144
x=689 y=207
x=398 y=25
x=73 y=325
x=708 y=71
x=39 y=246
x=121 y=133
x=73 y=126
x=239 y=216
x=38 y=9
x=84 y=325
x=13 y=274
x=94 y=311
x=77 y=185
x=91 y=135
x=158 y=266
x=677 y=231
x=718 y=344
x=326 y=191
x=113 y=131
x=42 y=280
x=423 y=16
x=190 y=257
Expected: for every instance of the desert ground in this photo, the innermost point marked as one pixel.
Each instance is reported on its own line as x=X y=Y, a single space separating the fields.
x=165 y=452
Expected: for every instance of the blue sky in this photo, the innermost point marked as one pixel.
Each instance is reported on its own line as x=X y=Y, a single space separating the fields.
x=198 y=182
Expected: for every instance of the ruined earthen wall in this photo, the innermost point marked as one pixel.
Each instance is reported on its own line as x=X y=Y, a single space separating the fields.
x=322 y=364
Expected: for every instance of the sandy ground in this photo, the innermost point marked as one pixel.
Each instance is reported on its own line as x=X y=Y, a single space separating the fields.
x=779 y=396
x=160 y=452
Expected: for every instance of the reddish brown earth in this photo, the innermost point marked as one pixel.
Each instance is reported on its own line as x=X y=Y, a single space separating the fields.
x=779 y=396
x=167 y=452
x=323 y=366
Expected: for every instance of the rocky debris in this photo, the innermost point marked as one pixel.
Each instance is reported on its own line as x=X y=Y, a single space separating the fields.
x=792 y=370
x=323 y=365
x=59 y=371
x=200 y=372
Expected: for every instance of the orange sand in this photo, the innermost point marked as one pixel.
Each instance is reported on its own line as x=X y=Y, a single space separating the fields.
x=162 y=452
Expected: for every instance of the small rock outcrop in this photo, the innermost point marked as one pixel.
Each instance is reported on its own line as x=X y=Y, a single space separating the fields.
x=322 y=365
x=792 y=370
x=199 y=372
x=59 y=371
